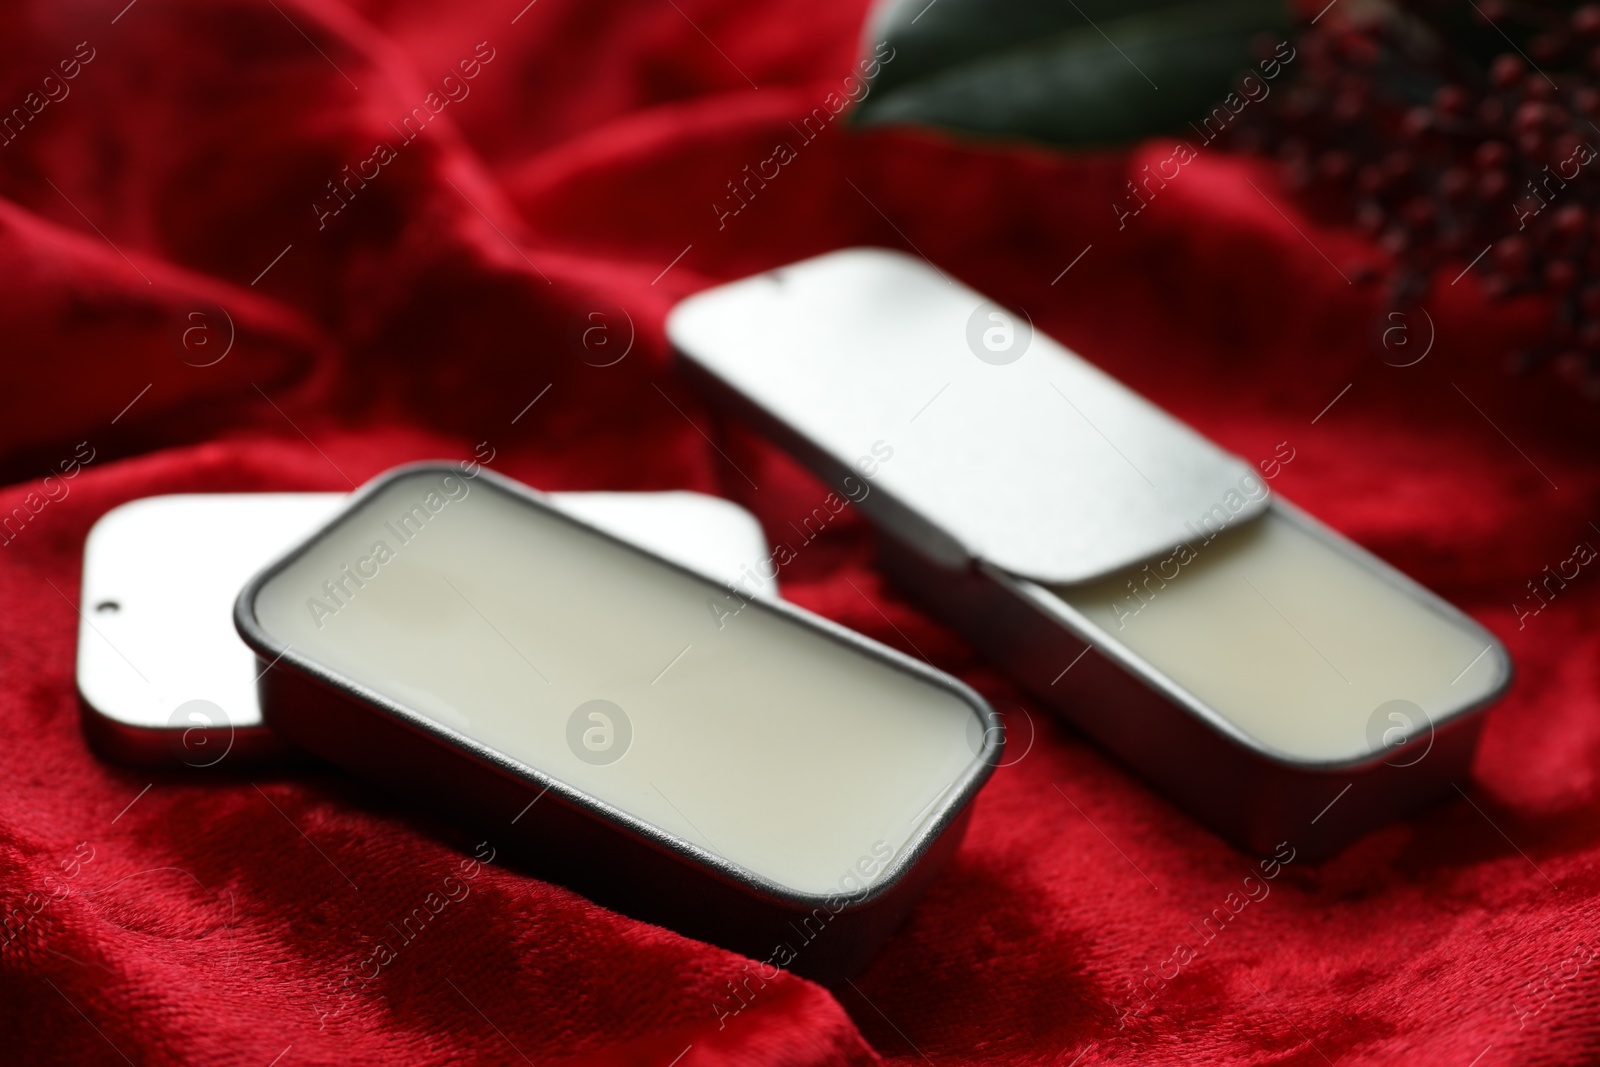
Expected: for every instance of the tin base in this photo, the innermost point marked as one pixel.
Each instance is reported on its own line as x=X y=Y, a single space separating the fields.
x=1251 y=800
x=563 y=844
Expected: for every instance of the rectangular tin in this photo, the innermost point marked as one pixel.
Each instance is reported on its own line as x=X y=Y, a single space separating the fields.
x=982 y=513
x=571 y=835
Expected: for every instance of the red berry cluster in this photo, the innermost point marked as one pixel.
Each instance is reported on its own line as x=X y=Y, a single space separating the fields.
x=1403 y=119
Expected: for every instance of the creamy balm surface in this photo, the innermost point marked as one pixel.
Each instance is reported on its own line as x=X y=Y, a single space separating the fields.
x=790 y=754
x=1292 y=637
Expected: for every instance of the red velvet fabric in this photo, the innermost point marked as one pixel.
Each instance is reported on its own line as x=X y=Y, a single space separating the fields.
x=186 y=166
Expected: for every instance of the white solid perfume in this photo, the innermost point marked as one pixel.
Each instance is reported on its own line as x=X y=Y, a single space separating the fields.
x=1290 y=637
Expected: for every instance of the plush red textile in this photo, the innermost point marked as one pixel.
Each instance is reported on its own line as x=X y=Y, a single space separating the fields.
x=223 y=920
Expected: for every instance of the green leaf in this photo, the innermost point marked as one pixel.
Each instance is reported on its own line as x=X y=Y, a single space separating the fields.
x=1090 y=72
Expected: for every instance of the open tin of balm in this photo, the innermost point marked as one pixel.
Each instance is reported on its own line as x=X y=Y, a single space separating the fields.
x=768 y=781
x=1280 y=683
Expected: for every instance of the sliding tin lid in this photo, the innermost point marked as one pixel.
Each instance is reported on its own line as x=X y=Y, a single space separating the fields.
x=1007 y=447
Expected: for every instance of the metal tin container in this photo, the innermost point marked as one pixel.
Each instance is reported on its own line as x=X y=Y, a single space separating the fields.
x=1018 y=489
x=515 y=663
